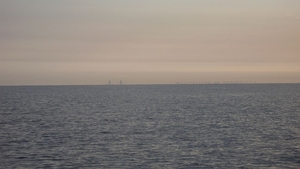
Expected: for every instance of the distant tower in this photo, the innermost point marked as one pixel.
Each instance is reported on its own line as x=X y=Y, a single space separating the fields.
x=109 y=82
x=120 y=82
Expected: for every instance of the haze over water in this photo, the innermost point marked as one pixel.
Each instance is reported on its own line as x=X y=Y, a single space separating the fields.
x=77 y=42
x=60 y=61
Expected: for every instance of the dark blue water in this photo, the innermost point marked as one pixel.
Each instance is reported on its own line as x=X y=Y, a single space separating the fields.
x=150 y=126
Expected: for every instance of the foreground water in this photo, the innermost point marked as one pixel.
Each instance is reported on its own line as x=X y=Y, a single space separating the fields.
x=150 y=126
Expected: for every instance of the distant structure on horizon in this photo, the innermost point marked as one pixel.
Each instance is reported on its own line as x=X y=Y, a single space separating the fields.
x=110 y=83
x=219 y=82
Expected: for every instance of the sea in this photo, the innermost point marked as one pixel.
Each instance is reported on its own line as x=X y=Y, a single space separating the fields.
x=150 y=126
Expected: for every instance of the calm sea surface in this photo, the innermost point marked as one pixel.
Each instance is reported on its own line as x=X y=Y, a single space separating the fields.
x=150 y=126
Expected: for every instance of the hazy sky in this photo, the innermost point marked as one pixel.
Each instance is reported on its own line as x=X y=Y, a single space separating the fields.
x=47 y=42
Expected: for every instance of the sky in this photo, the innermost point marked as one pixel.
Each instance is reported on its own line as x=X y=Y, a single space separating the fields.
x=76 y=42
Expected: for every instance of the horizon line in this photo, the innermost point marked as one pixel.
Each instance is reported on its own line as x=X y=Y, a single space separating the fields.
x=145 y=84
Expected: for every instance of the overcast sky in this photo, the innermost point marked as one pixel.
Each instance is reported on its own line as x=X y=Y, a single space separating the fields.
x=60 y=42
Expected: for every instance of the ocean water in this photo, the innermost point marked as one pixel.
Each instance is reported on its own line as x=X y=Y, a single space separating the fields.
x=150 y=126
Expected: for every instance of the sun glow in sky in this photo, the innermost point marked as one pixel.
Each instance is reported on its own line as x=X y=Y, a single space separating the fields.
x=148 y=42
